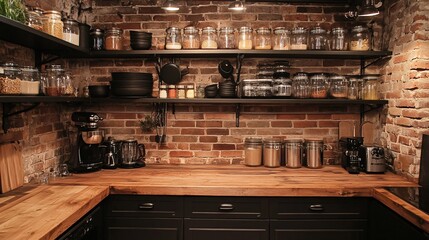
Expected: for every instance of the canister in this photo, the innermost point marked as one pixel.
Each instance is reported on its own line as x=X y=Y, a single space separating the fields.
x=293 y=153
x=227 y=38
x=71 y=31
x=360 y=39
x=114 y=39
x=272 y=152
x=245 y=39
x=208 y=38
x=301 y=85
x=52 y=23
x=263 y=38
x=281 y=39
x=371 y=87
x=318 y=39
x=253 y=151
x=173 y=39
x=339 y=86
x=299 y=40
x=319 y=85
x=97 y=39
x=191 y=38
x=314 y=153
x=339 y=39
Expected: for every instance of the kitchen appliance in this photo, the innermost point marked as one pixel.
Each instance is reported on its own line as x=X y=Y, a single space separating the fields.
x=349 y=147
x=132 y=154
x=372 y=159
x=111 y=154
x=86 y=154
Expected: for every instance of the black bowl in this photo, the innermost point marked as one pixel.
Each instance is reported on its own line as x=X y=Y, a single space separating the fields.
x=131 y=91
x=140 y=46
x=99 y=91
x=140 y=33
x=131 y=76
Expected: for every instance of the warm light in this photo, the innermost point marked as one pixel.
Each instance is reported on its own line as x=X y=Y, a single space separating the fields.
x=170 y=6
x=368 y=9
x=236 y=6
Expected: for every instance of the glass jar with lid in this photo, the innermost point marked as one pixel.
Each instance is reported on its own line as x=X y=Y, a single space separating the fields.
x=360 y=39
x=301 y=85
x=181 y=91
x=35 y=19
x=208 y=38
x=354 y=91
x=245 y=39
x=54 y=80
x=272 y=152
x=30 y=80
x=113 y=39
x=263 y=38
x=318 y=39
x=281 y=39
x=10 y=80
x=52 y=23
x=67 y=88
x=299 y=39
x=253 y=151
x=163 y=91
x=257 y=88
x=339 y=39
x=338 y=86
x=319 y=85
x=190 y=91
x=282 y=84
x=371 y=87
x=191 y=38
x=71 y=31
x=97 y=39
x=227 y=38
x=265 y=70
x=172 y=92
x=173 y=39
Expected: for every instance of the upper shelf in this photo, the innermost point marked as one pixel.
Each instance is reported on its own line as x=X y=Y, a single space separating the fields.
x=16 y=32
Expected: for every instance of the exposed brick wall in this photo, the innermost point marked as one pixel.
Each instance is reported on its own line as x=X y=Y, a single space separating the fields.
x=405 y=82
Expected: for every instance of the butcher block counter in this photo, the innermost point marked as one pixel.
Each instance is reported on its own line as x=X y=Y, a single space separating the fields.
x=45 y=211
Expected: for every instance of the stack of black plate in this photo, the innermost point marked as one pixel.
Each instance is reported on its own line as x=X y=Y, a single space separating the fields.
x=131 y=84
x=140 y=40
x=210 y=91
x=227 y=89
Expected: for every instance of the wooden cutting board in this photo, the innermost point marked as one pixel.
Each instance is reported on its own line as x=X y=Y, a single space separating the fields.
x=368 y=129
x=11 y=167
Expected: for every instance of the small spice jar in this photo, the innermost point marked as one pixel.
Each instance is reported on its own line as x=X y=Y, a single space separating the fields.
x=181 y=92
x=97 y=39
x=371 y=87
x=301 y=85
x=318 y=39
x=253 y=151
x=245 y=39
x=114 y=39
x=226 y=38
x=172 y=92
x=34 y=19
x=191 y=38
x=319 y=85
x=190 y=91
x=71 y=31
x=263 y=38
x=272 y=152
x=208 y=38
x=163 y=91
x=52 y=23
x=281 y=39
x=360 y=39
x=339 y=39
x=299 y=39
x=173 y=39
x=339 y=86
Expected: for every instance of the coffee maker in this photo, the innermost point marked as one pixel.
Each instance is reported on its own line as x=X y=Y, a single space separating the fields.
x=87 y=152
x=349 y=147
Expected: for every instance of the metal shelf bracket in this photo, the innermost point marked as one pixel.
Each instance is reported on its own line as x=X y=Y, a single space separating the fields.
x=237 y=115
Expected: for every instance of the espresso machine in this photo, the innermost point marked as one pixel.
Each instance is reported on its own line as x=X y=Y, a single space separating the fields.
x=350 y=160
x=87 y=154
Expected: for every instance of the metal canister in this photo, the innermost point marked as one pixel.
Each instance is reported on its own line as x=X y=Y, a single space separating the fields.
x=253 y=151
x=272 y=152
x=293 y=153
x=314 y=153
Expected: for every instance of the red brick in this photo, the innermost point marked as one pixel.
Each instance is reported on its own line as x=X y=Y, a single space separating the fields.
x=231 y=153
x=218 y=17
x=223 y=146
x=296 y=17
x=404 y=103
x=122 y=116
x=243 y=132
x=270 y=17
x=403 y=121
x=420 y=65
x=230 y=139
x=192 y=131
x=199 y=146
x=209 y=139
x=209 y=124
x=304 y=124
x=185 y=139
x=291 y=116
x=204 y=9
x=183 y=124
x=221 y=116
x=330 y=124
x=258 y=124
x=207 y=154
x=283 y=124
x=268 y=131
x=184 y=154
x=217 y=132
x=316 y=132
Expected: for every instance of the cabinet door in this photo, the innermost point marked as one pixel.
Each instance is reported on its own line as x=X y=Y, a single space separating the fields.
x=226 y=229
x=122 y=228
x=327 y=229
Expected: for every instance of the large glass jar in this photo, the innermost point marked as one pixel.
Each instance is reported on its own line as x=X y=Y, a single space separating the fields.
x=10 y=80
x=355 y=88
x=299 y=40
x=52 y=23
x=30 y=80
x=71 y=31
x=371 y=87
x=226 y=38
x=265 y=70
x=318 y=39
x=301 y=85
x=272 y=152
x=191 y=38
x=339 y=86
x=339 y=39
x=114 y=39
x=34 y=20
x=245 y=39
x=263 y=38
x=360 y=39
x=281 y=39
x=208 y=38
x=97 y=39
x=253 y=151
x=319 y=85
x=67 y=88
x=54 y=81
x=173 y=39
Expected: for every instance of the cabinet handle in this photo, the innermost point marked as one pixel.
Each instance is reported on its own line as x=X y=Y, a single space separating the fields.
x=226 y=207
x=316 y=207
x=146 y=206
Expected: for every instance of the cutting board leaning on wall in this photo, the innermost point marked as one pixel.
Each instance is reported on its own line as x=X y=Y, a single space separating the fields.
x=11 y=167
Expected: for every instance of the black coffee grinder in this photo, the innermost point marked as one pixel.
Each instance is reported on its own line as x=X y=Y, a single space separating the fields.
x=87 y=153
x=349 y=147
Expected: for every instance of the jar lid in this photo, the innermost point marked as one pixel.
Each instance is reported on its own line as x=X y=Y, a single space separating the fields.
x=359 y=28
x=300 y=75
x=70 y=21
x=209 y=29
x=191 y=29
x=261 y=81
x=319 y=76
x=272 y=140
x=163 y=87
x=180 y=86
x=226 y=29
x=299 y=30
x=318 y=30
x=29 y=69
x=338 y=77
x=173 y=29
x=282 y=81
x=96 y=32
x=114 y=30
x=254 y=140
x=293 y=140
x=263 y=30
x=10 y=65
x=313 y=140
x=36 y=10
x=370 y=77
x=52 y=12
x=190 y=86
x=279 y=30
x=245 y=29
x=338 y=30
x=171 y=86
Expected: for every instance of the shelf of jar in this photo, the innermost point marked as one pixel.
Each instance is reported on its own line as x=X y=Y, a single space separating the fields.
x=213 y=53
x=18 y=33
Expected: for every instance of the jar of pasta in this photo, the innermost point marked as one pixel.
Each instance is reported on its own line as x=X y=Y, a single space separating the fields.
x=52 y=23
x=34 y=20
x=208 y=38
x=226 y=38
x=114 y=39
x=360 y=39
x=263 y=38
x=191 y=38
x=245 y=40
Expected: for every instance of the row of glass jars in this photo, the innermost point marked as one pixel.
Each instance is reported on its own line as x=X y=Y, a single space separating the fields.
x=177 y=91
x=281 y=39
x=111 y=39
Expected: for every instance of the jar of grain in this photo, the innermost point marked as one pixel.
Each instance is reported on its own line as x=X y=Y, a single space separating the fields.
x=319 y=85
x=360 y=39
x=227 y=38
x=181 y=91
x=253 y=151
x=339 y=86
x=245 y=39
x=272 y=152
x=299 y=39
x=208 y=38
x=52 y=23
x=191 y=38
x=163 y=91
x=190 y=91
x=71 y=31
x=173 y=39
x=263 y=38
x=172 y=92
x=34 y=19
x=281 y=39
x=371 y=87
x=30 y=80
x=114 y=39
x=10 y=80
